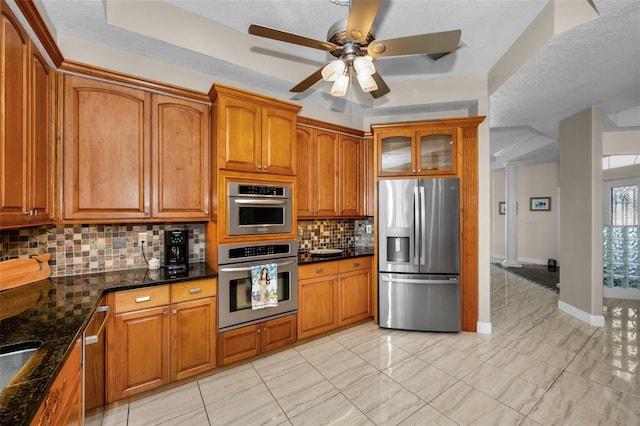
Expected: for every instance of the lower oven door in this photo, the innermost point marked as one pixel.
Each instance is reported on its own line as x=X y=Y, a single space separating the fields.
x=234 y=293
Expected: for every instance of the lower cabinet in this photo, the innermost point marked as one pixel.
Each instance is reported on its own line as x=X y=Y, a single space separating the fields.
x=63 y=403
x=160 y=334
x=332 y=294
x=249 y=341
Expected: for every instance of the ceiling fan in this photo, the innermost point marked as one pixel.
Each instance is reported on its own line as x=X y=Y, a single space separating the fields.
x=352 y=41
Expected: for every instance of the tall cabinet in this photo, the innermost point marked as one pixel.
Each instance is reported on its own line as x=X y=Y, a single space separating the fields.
x=440 y=148
x=25 y=120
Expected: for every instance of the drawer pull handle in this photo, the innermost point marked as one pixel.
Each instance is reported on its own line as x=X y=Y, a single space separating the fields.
x=143 y=299
x=356 y=264
x=319 y=270
x=195 y=290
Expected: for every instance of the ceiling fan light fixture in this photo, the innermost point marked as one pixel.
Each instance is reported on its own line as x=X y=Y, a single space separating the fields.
x=333 y=70
x=340 y=86
x=367 y=83
x=364 y=65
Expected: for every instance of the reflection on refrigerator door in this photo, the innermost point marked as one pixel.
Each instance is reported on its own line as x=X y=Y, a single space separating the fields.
x=420 y=302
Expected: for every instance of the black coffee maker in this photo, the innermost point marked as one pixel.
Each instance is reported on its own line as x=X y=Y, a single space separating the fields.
x=176 y=251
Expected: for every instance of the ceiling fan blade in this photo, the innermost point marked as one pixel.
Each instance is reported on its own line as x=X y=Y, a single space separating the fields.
x=308 y=82
x=361 y=16
x=422 y=44
x=382 y=89
x=274 y=34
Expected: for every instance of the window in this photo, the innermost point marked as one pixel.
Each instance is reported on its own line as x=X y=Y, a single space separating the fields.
x=620 y=204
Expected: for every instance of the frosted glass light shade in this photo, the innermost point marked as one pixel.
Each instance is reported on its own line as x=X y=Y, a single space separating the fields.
x=333 y=70
x=367 y=83
x=340 y=86
x=363 y=65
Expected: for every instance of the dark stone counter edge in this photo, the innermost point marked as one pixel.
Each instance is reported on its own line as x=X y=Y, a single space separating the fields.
x=22 y=397
x=306 y=258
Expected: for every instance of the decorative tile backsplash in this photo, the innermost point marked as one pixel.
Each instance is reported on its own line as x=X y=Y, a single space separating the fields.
x=333 y=233
x=84 y=249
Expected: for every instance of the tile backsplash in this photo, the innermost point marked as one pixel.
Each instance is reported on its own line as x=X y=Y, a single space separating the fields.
x=84 y=249
x=334 y=233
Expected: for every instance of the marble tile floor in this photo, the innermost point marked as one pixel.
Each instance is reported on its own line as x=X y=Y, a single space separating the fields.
x=539 y=367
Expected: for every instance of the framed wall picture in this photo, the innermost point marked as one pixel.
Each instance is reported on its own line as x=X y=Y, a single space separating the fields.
x=539 y=204
x=502 y=207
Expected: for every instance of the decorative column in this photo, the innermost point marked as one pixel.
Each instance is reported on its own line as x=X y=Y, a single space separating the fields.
x=511 y=222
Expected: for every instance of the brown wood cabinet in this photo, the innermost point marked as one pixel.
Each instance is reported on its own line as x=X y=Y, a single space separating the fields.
x=350 y=177
x=254 y=133
x=63 y=403
x=318 y=190
x=317 y=298
x=160 y=334
x=132 y=155
x=180 y=158
x=409 y=150
x=332 y=294
x=331 y=173
x=26 y=86
x=354 y=290
x=369 y=201
x=252 y=340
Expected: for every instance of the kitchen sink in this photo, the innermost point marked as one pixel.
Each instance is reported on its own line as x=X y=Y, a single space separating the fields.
x=13 y=357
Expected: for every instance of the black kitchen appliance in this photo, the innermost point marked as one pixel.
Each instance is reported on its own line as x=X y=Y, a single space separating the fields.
x=176 y=251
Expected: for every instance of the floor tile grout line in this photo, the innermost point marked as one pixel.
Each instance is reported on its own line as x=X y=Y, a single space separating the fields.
x=206 y=413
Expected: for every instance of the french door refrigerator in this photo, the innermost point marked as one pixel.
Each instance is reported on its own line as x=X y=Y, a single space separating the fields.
x=419 y=254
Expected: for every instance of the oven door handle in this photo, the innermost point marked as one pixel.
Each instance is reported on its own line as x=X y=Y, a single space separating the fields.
x=260 y=202
x=248 y=268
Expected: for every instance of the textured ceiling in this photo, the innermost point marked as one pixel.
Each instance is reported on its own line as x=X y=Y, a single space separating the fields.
x=595 y=63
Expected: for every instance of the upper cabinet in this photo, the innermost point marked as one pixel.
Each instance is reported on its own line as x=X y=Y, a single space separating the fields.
x=254 y=133
x=25 y=120
x=180 y=158
x=331 y=176
x=411 y=150
x=130 y=155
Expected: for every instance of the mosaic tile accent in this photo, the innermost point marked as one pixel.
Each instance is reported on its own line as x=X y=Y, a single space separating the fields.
x=333 y=233
x=84 y=249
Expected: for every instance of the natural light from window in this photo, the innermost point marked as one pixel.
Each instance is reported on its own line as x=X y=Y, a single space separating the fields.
x=615 y=161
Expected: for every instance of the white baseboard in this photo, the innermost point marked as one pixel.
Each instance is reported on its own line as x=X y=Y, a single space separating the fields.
x=594 y=320
x=483 y=327
x=621 y=293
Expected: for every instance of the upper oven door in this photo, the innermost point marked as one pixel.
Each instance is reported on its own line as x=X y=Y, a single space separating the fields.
x=259 y=215
x=234 y=293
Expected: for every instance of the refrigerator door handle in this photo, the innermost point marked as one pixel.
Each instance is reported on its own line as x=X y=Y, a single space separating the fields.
x=423 y=225
x=416 y=225
x=417 y=281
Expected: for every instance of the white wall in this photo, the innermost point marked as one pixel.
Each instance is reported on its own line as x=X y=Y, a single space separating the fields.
x=537 y=230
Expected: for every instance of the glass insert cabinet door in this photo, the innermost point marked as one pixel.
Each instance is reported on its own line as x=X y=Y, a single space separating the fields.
x=437 y=151
x=418 y=152
x=396 y=153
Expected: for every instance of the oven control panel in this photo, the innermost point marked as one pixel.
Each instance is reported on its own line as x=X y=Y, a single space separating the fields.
x=255 y=251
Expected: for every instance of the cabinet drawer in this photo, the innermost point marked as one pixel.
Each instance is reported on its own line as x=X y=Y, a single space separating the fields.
x=192 y=290
x=355 y=264
x=317 y=270
x=133 y=300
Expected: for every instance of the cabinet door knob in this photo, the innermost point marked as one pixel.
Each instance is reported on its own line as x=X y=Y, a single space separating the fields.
x=259 y=166
x=165 y=313
x=259 y=330
x=175 y=312
x=146 y=213
x=265 y=167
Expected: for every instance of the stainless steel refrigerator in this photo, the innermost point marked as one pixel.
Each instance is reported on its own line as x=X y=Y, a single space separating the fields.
x=419 y=254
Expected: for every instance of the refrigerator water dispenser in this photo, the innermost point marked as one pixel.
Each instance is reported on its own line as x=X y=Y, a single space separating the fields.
x=398 y=249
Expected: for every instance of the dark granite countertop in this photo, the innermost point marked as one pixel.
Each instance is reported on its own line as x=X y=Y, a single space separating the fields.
x=55 y=312
x=305 y=257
